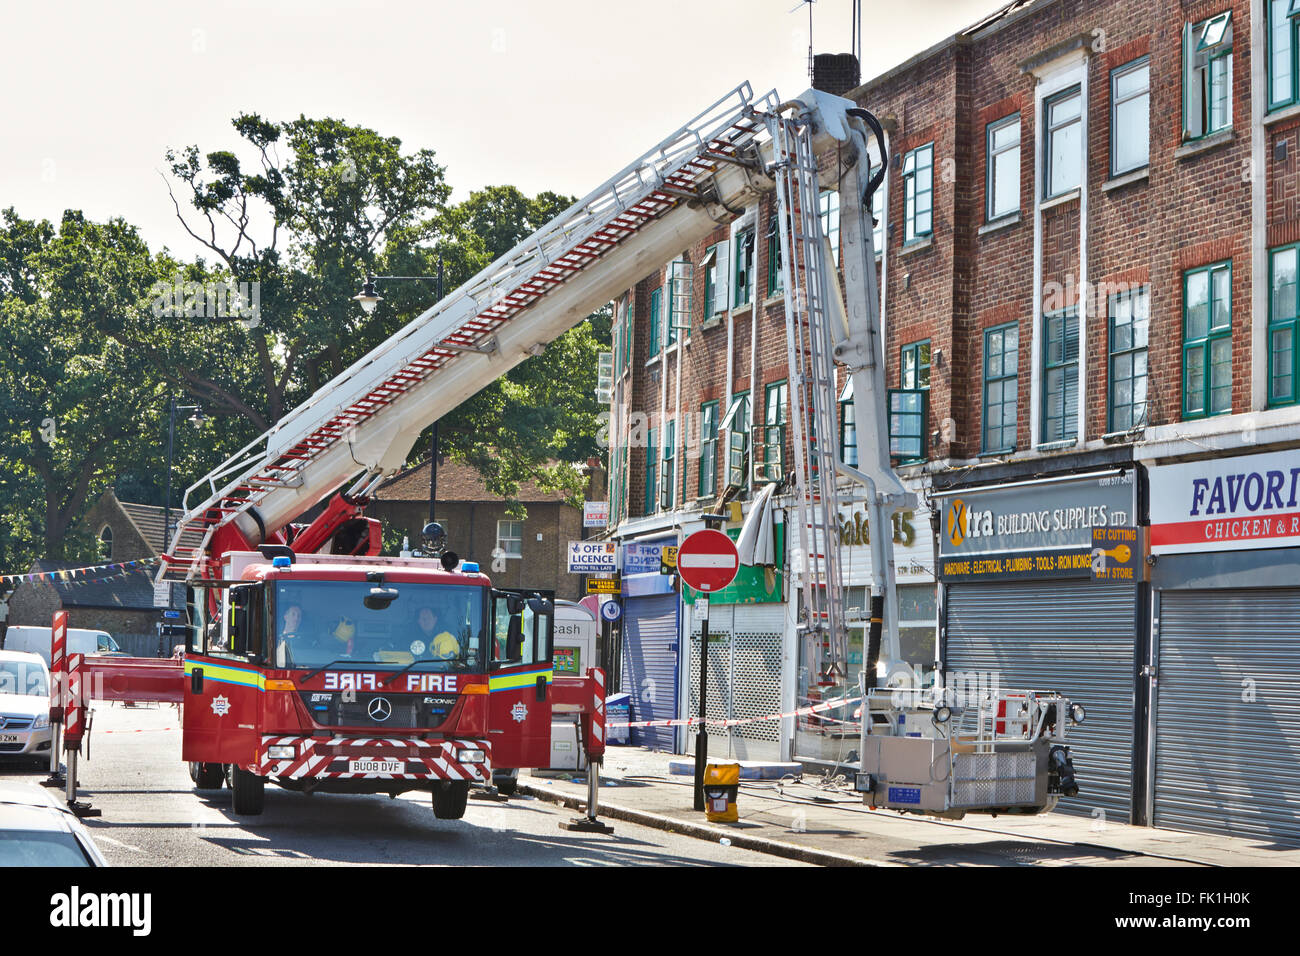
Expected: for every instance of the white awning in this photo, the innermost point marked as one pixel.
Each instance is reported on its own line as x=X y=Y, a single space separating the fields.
x=757 y=543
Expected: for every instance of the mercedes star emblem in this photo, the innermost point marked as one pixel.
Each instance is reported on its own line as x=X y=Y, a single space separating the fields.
x=380 y=709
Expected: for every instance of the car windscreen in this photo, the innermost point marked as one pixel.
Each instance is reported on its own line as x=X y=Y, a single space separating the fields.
x=24 y=678
x=40 y=848
x=319 y=623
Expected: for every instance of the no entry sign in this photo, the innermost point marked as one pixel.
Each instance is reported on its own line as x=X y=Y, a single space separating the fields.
x=708 y=561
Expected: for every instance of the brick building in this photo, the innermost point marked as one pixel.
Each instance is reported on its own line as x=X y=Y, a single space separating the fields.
x=121 y=603
x=1087 y=248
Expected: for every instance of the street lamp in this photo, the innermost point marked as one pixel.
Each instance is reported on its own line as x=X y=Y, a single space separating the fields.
x=368 y=298
x=197 y=418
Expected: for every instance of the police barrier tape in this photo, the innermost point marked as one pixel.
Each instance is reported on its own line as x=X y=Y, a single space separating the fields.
x=722 y=722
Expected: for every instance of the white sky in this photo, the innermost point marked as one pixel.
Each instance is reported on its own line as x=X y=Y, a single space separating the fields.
x=541 y=94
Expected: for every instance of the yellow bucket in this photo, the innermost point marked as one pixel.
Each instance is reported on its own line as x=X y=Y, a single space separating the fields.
x=721 y=784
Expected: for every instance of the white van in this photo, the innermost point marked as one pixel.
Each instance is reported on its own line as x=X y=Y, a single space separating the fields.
x=36 y=640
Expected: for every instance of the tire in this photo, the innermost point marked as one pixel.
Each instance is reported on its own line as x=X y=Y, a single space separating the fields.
x=507 y=784
x=249 y=791
x=207 y=776
x=449 y=801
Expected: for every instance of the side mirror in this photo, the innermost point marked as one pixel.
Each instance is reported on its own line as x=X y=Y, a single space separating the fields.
x=514 y=638
x=540 y=605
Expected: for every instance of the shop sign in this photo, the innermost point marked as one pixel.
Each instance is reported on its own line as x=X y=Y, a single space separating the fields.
x=595 y=514
x=592 y=557
x=913 y=547
x=753 y=585
x=1116 y=554
x=1034 y=518
x=603 y=585
x=1230 y=504
x=642 y=558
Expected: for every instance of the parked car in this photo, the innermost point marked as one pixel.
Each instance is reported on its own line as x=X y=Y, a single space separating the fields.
x=36 y=640
x=24 y=707
x=36 y=831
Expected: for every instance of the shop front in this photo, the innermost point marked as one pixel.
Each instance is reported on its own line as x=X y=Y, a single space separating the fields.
x=1224 y=665
x=746 y=631
x=1029 y=603
x=830 y=739
x=651 y=655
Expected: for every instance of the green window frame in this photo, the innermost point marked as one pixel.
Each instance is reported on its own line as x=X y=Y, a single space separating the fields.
x=670 y=326
x=651 y=473
x=908 y=411
x=656 y=319
x=1283 y=53
x=668 y=466
x=736 y=424
x=914 y=365
x=1001 y=385
x=710 y=280
x=775 y=282
x=1002 y=176
x=848 y=426
x=1130 y=319
x=1063 y=148
x=1283 y=326
x=743 y=268
x=776 y=399
x=918 y=194
x=1207 y=76
x=1207 y=341
x=1130 y=116
x=708 y=482
x=830 y=213
x=1060 y=388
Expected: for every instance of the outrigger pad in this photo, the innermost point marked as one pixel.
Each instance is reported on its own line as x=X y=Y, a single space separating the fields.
x=57 y=780
x=586 y=825
x=490 y=793
x=80 y=809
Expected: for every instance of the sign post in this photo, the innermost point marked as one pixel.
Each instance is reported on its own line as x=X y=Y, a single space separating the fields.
x=708 y=562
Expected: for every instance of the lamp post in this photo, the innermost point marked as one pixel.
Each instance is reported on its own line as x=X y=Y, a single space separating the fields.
x=197 y=418
x=368 y=299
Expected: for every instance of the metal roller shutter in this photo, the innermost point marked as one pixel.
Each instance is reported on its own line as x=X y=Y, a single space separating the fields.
x=1072 y=637
x=1227 y=739
x=650 y=667
x=744 y=679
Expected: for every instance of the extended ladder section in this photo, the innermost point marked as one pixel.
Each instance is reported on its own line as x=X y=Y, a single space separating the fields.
x=804 y=264
x=364 y=422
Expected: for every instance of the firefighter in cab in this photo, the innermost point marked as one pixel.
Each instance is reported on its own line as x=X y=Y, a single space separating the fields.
x=440 y=643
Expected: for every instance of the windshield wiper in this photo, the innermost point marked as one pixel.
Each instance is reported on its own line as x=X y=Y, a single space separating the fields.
x=341 y=660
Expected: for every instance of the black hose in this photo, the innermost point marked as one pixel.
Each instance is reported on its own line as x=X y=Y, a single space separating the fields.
x=870 y=119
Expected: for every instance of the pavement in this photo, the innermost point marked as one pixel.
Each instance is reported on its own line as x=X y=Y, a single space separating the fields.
x=813 y=819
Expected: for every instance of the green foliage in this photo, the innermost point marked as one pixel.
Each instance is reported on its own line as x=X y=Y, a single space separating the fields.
x=99 y=331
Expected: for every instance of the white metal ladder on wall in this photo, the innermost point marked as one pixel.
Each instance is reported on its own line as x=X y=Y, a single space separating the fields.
x=813 y=411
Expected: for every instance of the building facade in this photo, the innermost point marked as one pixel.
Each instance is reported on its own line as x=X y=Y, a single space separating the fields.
x=1087 y=247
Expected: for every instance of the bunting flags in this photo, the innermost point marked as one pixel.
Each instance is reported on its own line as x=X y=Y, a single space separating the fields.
x=77 y=577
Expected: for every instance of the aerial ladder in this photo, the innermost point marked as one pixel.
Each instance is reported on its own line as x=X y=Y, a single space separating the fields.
x=237 y=532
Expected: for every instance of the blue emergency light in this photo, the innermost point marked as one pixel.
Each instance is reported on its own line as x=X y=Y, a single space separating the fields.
x=469 y=567
x=281 y=561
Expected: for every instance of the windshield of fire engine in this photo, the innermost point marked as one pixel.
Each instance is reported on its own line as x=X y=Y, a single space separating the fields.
x=435 y=626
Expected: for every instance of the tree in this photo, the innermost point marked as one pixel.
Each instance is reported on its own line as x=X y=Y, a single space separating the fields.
x=73 y=401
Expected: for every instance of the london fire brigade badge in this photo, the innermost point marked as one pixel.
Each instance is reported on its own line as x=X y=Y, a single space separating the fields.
x=519 y=712
x=220 y=706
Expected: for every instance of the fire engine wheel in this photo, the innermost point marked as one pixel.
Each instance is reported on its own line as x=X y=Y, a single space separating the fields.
x=249 y=790
x=207 y=776
x=449 y=801
x=507 y=784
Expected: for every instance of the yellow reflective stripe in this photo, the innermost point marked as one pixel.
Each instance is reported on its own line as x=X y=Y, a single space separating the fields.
x=519 y=681
x=230 y=675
